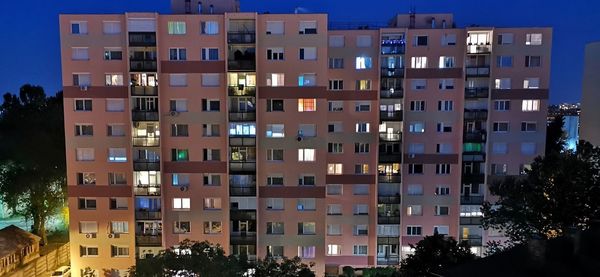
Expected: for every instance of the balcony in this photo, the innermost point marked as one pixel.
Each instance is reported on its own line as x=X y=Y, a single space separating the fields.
x=478 y=71
x=473 y=93
x=144 y=91
x=473 y=240
x=471 y=199
x=148 y=240
x=470 y=220
x=389 y=137
x=391 y=94
x=393 y=46
x=389 y=178
x=142 y=39
x=242 y=116
x=389 y=157
x=390 y=199
x=243 y=238
x=242 y=141
x=388 y=260
x=242 y=214
x=390 y=116
x=473 y=178
x=144 y=115
x=143 y=165
x=242 y=191
x=241 y=37
x=476 y=114
x=479 y=48
x=146 y=142
x=147 y=215
x=242 y=166
x=475 y=136
x=142 y=65
x=388 y=219
x=241 y=91
x=241 y=65
x=153 y=190
x=392 y=72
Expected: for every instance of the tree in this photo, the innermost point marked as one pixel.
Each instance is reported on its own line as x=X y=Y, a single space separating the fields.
x=555 y=137
x=32 y=155
x=434 y=255
x=381 y=272
x=560 y=192
x=271 y=267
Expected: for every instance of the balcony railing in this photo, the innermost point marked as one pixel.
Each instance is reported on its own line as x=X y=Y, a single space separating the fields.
x=390 y=116
x=476 y=114
x=389 y=178
x=389 y=137
x=142 y=39
x=243 y=237
x=387 y=157
x=146 y=190
x=476 y=136
x=391 y=199
x=481 y=92
x=144 y=115
x=242 y=141
x=473 y=240
x=247 y=166
x=392 y=72
x=140 y=165
x=471 y=199
x=146 y=142
x=242 y=214
x=470 y=220
x=241 y=65
x=478 y=71
x=389 y=260
x=391 y=94
x=242 y=191
x=242 y=116
x=144 y=91
x=147 y=215
x=241 y=37
x=147 y=240
x=385 y=219
x=241 y=91
x=473 y=178
x=479 y=48
x=142 y=66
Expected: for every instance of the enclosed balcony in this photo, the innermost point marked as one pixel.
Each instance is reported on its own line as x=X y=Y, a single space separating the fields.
x=390 y=152
x=392 y=72
x=242 y=166
x=478 y=92
x=388 y=259
x=143 y=60
x=478 y=71
x=241 y=58
x=470 y=220
x=388 y=199
x=392 y=44
x=142 y=39
x=148 y=240
x=479 y=42
x=391 y=93
x=241 y=90
x=396 y=178
x=388 y=213
x=476 y=114
x=390 y=115
x=471 y=199
x=144 y=84
x=242 y=185
x=242 y=116
x=475 y=136
x=241 y=31
x=146 y=190
x=473 y=241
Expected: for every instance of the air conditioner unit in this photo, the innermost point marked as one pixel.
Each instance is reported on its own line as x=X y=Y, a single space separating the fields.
x=184 y=188
x=174 y=113
x=112 y=235
x=83 y=88
x=90 y=236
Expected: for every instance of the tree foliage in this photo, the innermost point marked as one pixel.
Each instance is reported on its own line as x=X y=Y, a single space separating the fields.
x=434 y=255
x=555 y=137
x=32 y=155
x=381 y=272
x=560 y=192
x=192 y=259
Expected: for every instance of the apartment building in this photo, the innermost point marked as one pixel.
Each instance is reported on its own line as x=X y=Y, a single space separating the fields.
x=590 y=131
x=288 y=135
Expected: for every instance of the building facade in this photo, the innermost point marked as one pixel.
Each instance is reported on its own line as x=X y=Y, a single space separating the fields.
x=590 y=98
x=284 y=135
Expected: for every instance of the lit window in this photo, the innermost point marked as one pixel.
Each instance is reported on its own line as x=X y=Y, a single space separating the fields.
x=417 y=127
x=414 y=210
x=117 y=155
x=176 y=27
x=306 y=155
x=306 y=252
x=531 y=83
x=363 y=84
x=181 y=203
x=364 y=62
x=113 y=79
x=533 y=39
x=446 y=62
x=530 y=105
x=275 y=79
x=212 y=203
x=275 y=131
x=179 y=155
x=307 y=105
x=363 y=127
x=181 y=227
x=334 y=250
x=418 y=62
x=334 y=169
x=502 y=83
x=307 y=80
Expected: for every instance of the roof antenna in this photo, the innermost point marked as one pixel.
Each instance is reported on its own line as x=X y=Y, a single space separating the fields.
x=412 y=22
x=298 y=10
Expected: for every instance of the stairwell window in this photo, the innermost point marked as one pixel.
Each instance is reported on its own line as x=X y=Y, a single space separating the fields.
x=176 y=27
x=209 y=27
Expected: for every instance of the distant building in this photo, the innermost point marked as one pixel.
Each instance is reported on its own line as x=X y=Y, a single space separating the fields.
x=570 y=113
x=590 y=99
x=289 y=135
x=17 y=247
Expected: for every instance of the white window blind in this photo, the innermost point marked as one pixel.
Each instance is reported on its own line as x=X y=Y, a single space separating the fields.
x=210 y=79
x=178 y=80
x=111 y=27
x=363 y=41
x=275 y=27
x=80 y=53
x=115 y=105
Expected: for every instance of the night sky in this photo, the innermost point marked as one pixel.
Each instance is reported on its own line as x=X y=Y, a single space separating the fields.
x=30 y=38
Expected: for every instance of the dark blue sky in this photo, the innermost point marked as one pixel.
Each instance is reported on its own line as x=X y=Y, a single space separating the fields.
x=30 y=39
